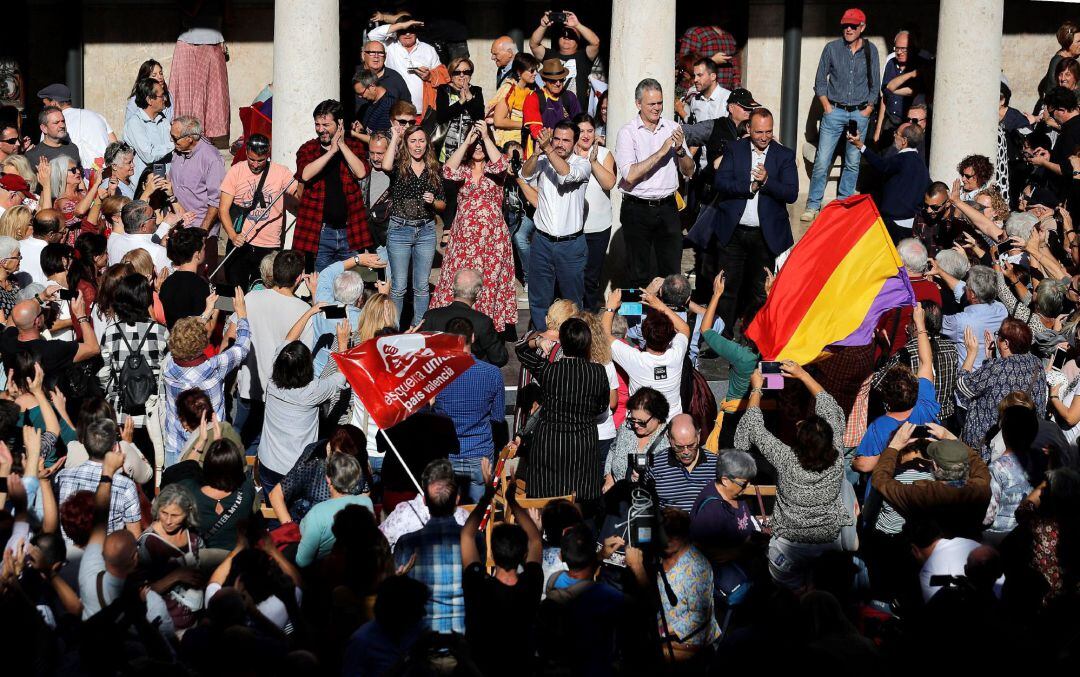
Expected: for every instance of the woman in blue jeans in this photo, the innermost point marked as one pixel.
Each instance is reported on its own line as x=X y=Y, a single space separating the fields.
x=416 y=194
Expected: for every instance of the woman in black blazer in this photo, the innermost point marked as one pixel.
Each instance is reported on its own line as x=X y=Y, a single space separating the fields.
x=562 y=455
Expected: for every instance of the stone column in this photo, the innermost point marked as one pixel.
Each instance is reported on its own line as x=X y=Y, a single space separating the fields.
x=642 y=46
x=967 y=84
x=307 y=48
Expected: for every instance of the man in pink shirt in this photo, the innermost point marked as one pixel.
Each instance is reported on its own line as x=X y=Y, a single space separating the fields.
x=251 y=190
x=650 y=153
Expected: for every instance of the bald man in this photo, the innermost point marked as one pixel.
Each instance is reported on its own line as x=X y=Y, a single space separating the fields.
x=374 y=60
x=503 y=50
x=680 y=474
x=487 y=344
x=109 y=560
x=55 y=356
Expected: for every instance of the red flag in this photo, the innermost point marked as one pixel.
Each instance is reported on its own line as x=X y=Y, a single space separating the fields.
x=396 y=375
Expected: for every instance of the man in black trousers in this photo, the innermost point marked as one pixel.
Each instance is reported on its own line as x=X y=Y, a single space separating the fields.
x=756 y=181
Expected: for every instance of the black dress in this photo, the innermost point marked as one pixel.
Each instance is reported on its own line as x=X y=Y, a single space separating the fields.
x=563 y=456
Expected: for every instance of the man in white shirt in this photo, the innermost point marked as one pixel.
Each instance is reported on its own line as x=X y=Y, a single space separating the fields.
x=708 y=100
x=140 y=232
x=941 y=557
x=651 y=153
x=88 y=130
x=559 y=250
x=46 y=228
x=659 y=366
x=271 y=314
x=408 y=55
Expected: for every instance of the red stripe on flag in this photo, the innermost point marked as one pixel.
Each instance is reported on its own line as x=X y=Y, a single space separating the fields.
x=813 y=260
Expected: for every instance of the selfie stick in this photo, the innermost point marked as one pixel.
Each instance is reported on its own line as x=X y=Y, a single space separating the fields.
x=259 y=229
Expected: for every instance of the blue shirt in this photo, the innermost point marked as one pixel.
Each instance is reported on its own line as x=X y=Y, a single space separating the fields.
x=437 y=547
x=316 y=538
x=676 y=487
x=881 y=430
x=981 y=317
x=474 y=401
x=323 y=331
x=842 y=77
x=151 y=139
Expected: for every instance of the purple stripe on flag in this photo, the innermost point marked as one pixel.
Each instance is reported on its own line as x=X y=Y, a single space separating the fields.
x=896 y=292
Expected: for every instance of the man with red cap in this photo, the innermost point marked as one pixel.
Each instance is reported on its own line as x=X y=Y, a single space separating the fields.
x=848 y=83
x=13 y=190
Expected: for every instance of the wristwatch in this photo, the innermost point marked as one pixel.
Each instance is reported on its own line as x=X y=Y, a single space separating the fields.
x=611 y=310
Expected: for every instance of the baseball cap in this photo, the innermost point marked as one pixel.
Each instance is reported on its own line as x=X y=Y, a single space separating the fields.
x=15 y=183
x=853 y=16
x=948 y=453
x=56 y=91
x=743 y=98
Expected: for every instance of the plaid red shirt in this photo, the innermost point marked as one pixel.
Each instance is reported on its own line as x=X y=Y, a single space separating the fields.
x=708 y=40
x=309 y=214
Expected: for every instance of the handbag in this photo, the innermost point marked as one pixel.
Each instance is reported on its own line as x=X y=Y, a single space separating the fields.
x=239 y=214
x=285 y=535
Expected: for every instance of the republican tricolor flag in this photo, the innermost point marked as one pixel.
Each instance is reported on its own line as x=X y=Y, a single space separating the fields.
x=835 y=285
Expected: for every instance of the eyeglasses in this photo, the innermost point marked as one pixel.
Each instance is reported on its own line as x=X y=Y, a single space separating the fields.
x=683 y=447
x=553 y=81
x=634 y=423
x=466 y=72
x=967 y=176
x=403 y=121
x=17 y=257
x=916 y=121
x=372 y=52
x=742 y=485
x=900 y=49
x=851 y=27
x=13 y=140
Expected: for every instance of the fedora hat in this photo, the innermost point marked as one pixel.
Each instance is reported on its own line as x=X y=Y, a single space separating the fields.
x=553 y=69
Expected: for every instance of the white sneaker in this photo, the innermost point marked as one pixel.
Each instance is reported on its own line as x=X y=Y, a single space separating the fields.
x=809 y=215
x=524 y=295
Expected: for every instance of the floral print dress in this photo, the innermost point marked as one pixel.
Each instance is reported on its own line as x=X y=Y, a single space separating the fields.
x=480 y=240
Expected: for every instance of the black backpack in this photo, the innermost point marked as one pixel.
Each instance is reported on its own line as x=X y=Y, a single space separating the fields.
x=136 y=382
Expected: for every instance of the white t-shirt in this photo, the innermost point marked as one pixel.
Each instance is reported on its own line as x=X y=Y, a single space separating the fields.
x=89 y=131
x=121 y=243
x=597 y=200
x=270 y=316
x=31 y=249
x=1070 y=391
x=65 y=314
x=605 y=424
x=948 y=559
x=660 y=372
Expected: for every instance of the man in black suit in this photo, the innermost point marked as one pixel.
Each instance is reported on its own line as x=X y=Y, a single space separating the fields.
x=487 y=345
x=756 y=181
x=906 y=179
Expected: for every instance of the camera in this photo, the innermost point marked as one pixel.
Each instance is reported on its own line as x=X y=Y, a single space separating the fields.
x=515 y=163
x=558 y=17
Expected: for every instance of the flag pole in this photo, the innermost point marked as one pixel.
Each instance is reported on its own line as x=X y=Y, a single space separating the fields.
x=402 y=461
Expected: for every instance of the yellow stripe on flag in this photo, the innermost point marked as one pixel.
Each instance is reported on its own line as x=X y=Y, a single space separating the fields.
x=844 y=301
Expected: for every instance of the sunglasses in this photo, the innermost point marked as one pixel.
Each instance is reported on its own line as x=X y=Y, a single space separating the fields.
x=634 y=423
x=177 y=138
x=555 y=81
x=403 y=121
x=934 y=208
x=916 y=121
x=75 y=170
x=851 y=27
x=742 y=485
x=468 y=72
x=968 y=176
x=12 y=140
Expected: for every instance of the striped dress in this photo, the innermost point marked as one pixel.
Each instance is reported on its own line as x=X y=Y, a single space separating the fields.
x=563 y=456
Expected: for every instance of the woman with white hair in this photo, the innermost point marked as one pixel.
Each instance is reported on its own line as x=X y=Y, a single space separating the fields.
x=720 y=518
x=169 y=553
x=340 y=284
x=64 y=191
x=10 y=258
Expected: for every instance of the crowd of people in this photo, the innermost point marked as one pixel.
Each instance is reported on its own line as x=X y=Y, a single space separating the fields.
x=191 y=485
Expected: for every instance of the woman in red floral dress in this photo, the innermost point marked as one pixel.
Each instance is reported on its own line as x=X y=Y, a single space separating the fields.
x=479 y=238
